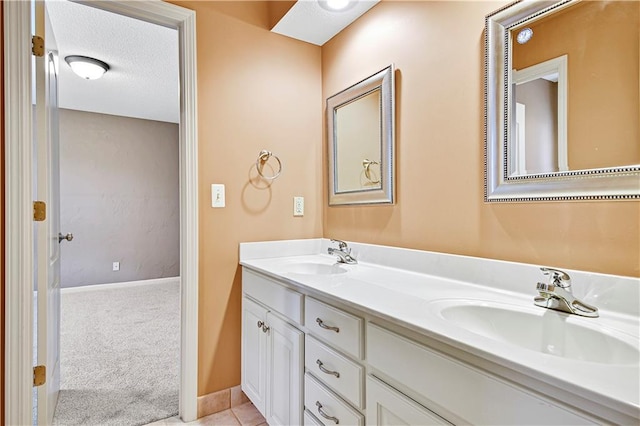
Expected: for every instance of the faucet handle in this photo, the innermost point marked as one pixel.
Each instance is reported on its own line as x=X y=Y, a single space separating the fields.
x=341 y=244
x=557 y=277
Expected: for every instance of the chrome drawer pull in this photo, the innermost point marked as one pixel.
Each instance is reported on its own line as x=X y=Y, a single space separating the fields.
x=324 y=370
x=327 y=327
x=260 y=324
x=325 y=415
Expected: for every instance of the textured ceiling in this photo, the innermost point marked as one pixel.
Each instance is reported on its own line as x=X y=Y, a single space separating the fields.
x=143 y=81
x=309 y=22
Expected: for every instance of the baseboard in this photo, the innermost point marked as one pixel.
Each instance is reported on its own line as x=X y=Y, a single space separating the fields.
x=93 y=287
x=224 y=399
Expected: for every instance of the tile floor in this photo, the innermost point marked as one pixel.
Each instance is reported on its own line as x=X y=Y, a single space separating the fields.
x=241 y=415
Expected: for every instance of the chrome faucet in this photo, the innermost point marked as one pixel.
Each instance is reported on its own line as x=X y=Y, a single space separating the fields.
x=557 y=295
x=343 y=252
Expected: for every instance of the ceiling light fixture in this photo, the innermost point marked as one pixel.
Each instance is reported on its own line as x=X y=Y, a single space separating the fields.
x=87 y=68
x=336 y=5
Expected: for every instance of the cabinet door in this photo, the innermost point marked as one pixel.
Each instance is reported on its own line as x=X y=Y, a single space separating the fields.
x=386 y=407
x=310 y=419
x=285 y=363
x=254 y=353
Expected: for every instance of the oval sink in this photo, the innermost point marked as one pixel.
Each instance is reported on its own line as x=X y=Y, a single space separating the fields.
x=310 y=268
x=543 y=330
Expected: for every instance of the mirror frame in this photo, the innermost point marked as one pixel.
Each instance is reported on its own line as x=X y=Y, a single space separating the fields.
x=611 y=183
x=385 y=81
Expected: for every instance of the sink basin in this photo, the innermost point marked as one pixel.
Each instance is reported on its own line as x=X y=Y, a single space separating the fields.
x=310 y=268
x=542 y=330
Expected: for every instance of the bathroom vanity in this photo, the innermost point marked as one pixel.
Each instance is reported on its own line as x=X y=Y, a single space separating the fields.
x=420 y=338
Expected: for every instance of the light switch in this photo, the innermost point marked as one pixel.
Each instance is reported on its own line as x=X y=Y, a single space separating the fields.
x=217 y=195
x=298 y=206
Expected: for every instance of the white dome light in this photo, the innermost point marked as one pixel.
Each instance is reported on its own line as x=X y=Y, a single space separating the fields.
x=524 y=35
x=336 y=5
x=87 y=68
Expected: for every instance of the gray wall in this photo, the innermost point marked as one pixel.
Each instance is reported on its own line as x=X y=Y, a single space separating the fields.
x=119 y=193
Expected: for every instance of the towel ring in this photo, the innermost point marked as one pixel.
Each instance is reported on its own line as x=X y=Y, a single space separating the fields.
x=263 y=157
x=366 y=164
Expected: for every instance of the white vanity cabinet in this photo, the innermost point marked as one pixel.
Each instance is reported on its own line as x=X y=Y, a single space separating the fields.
x=272 y=354
x=309 y=358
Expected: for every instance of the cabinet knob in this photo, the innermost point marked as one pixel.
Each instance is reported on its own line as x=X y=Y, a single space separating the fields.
x=325 y=415
x=321 y=324
x=263 y=325
x=325 y=371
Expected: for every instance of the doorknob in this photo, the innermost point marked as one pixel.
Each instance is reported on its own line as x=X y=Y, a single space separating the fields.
x=67 y=237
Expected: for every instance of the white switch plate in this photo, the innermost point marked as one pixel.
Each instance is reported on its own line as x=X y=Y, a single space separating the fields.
x=217 y=195
x=298 y=206
x=116 y=266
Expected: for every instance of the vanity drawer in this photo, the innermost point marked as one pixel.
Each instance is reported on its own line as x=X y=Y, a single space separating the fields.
x=328 y=408
x=279 y=298
x=482 y=400
x=335 y=326
x=349 y=383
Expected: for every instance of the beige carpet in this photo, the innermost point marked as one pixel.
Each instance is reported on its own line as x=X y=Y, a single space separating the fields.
x=119 y=354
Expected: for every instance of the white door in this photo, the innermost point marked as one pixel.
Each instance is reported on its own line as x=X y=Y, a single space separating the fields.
x=285 y=365
x=520 y=148
x=46 y=234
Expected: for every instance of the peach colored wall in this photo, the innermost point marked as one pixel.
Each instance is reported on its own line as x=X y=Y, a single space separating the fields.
x=603 y=105
x=437 y=47
x=256 y=90
x=277 y=9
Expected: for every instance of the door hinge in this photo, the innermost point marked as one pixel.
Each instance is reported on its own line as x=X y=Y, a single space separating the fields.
x=39 y=211
x=39 y=375
x=37 y=45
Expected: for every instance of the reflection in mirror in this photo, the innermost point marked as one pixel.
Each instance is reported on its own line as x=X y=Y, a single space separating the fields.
x=360 y=129
x=358 y=153
x=563 y=101
x=539 y=143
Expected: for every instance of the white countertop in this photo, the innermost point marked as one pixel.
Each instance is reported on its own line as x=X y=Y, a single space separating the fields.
x=410 y=298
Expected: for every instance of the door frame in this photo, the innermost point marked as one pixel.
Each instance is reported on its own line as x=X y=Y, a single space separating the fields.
x=19 y=260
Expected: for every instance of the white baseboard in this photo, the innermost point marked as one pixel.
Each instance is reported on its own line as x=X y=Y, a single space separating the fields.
x=155 y=281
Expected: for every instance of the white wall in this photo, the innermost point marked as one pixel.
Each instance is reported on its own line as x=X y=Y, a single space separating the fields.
x=119 y=197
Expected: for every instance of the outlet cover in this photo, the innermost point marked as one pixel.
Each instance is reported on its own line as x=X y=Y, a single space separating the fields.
x=298 y=206
x=116 y=266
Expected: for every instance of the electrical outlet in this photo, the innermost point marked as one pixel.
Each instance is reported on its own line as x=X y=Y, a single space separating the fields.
x=298 y=206
x=116 y=266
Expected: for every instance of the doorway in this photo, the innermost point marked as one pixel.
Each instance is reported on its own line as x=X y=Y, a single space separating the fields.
x=19 y=260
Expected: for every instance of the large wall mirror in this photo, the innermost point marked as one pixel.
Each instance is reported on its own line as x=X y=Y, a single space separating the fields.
x=360 y=129
x=563 y=101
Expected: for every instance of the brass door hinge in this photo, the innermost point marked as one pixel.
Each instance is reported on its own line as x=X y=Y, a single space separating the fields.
x=39 y=211
x=37 y=45
x=39 y=375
